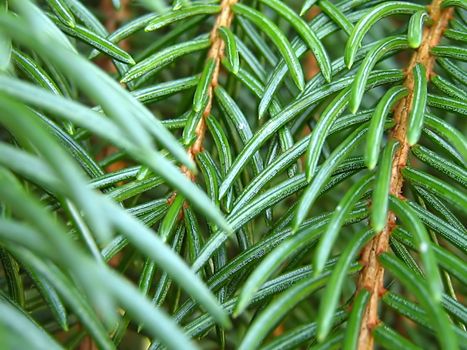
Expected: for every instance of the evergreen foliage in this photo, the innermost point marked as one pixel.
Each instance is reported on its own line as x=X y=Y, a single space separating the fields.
x=238 y=174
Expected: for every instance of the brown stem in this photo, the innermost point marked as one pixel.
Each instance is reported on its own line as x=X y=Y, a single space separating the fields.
x=371 y=276
x=216 y=52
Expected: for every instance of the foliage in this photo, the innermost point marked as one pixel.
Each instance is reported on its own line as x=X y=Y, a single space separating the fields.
x=236 y=174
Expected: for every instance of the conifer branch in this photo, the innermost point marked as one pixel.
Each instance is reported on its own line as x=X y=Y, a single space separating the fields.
x=216 y=52
x=372 y=275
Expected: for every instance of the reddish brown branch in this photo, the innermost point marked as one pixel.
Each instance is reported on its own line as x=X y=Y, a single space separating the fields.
x=371 y=276
x=216 y=52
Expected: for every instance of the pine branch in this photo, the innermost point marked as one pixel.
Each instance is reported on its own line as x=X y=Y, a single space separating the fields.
x=372 y=275
x=216 y=52
x=66 y=209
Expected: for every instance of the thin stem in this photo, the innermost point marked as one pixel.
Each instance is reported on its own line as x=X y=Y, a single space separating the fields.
x=216 y=52
x=371 y=276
